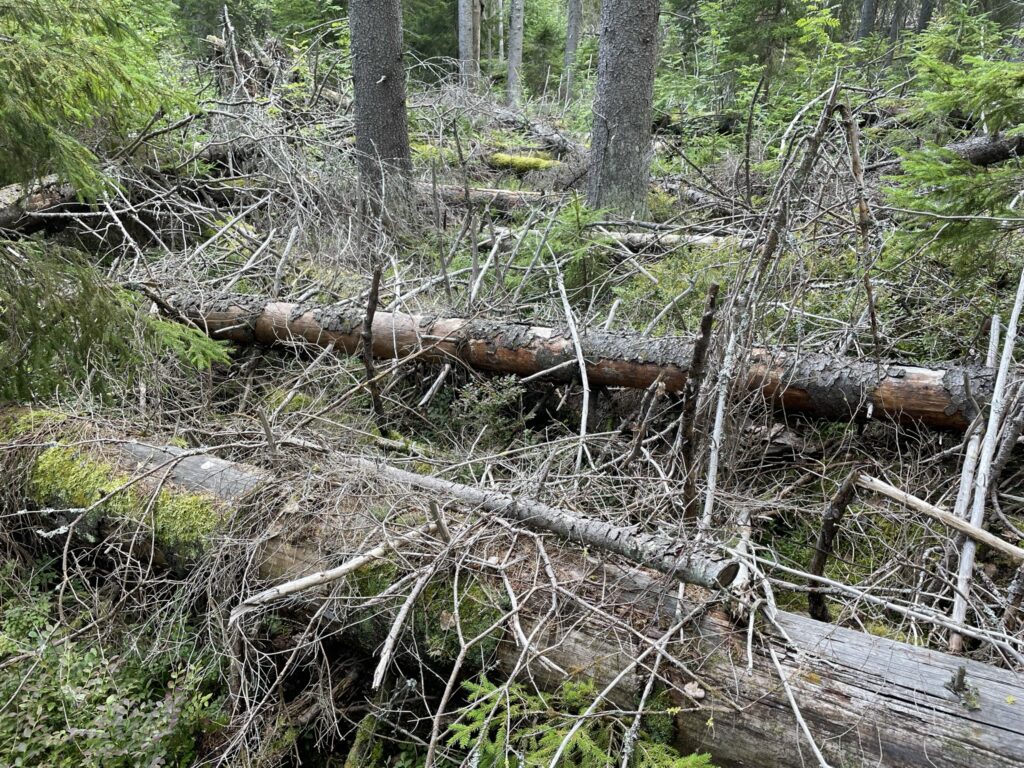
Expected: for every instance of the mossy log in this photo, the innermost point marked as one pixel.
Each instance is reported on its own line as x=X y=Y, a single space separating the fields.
x=867 y=700
x=517 y=163
x=817 y=384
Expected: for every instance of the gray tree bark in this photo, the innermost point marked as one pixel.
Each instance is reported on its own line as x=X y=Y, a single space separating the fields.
x=501 y=30
x=573 y=29
x=469 y=65
x=478 y=7
x=925 y=16
x=868 y=10
x=621 y=143
x=378 y=78
x=517 y=11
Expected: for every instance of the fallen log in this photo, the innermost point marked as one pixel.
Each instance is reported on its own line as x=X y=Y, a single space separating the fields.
x=988 y=150
x=640 y=241
x=547 y=134
x=867 y=700
x=816 y=384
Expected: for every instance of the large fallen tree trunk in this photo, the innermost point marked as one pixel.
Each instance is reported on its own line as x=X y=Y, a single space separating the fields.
x=988 y=150
x=866 y=700
x=822 y=385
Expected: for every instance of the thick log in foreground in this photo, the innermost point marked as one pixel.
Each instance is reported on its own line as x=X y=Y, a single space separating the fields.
x=817 y=384
x=867 y=700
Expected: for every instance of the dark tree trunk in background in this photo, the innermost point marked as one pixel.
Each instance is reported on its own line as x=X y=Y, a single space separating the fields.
x=573 y=29
x=515 y=50
x=378 y=78
x=621 y=145
x=868 y=10
x=469 y=65
x=925 y=16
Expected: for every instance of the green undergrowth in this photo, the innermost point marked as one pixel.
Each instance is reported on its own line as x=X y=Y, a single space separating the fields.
x=70 y=700
x=516 y=727
x=62 y=326
x=864 y=539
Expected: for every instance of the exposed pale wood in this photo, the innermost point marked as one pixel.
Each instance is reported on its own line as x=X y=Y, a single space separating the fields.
x=821 y=385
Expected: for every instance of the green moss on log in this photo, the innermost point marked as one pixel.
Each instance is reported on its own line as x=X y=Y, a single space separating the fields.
x=367 y=749
x=503 y=161
x=66 y=477
x=434 y=617
x=18 y=423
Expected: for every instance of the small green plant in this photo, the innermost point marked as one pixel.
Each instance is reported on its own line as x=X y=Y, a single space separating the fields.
x=506 y=727
x=70 y=701
x=494 y=402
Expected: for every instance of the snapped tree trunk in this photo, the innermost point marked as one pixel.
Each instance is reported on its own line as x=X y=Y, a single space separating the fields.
x=515 y=50
x=620 y=154
x=988 y=150
x=817 y=384
x=378 y=77
x=867 y=700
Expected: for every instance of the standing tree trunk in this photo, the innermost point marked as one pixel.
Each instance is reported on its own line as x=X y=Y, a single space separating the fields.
x=925 y=16
x=868 y=10
x=621 y=143
x=378 y=77
x=469 y=64
x=478 y=6
x=515 y=50
x=573 y=28
x=501 y=30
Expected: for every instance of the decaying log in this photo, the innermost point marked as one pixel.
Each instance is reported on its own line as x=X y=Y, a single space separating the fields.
x=546 y=133
x=988 y=150
x=868 y=701
x=18 y=202
x=817 y=384
x=641 y=241
x=499 y=199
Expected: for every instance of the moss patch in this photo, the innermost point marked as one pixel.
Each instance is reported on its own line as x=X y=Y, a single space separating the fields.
x=479 y=607
x=434 y=617
x=66 y=477
x=16 y=423
x=504 y=161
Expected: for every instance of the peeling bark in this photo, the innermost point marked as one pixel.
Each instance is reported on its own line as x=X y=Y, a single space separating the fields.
x=816 y=384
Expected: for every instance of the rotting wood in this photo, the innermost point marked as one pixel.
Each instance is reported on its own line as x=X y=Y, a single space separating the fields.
x=867 y=700
x=816 y=384
x=988 y=150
